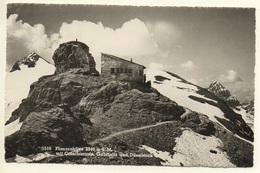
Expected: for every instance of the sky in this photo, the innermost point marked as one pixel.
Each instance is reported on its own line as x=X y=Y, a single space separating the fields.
x=201 y=45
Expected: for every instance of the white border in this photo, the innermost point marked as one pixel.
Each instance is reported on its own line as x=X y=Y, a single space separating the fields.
x=43 y=168
x=189 y=3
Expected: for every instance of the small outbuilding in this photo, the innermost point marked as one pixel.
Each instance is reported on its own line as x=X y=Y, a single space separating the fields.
x=120 y=69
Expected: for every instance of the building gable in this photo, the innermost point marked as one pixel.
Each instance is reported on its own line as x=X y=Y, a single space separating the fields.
x=117 y=68
x=121 y=59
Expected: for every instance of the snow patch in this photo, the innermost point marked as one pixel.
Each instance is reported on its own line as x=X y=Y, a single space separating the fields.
x=31 y=158
x=193 y=149
x=12 y=127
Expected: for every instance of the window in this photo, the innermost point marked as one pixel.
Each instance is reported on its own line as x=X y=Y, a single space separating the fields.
x=112 y=70
x=140 y=72
x=122 y=70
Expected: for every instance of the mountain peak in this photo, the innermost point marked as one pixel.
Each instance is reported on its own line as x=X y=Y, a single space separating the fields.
x=217 y=84
x=222 y=93
x=30 y=61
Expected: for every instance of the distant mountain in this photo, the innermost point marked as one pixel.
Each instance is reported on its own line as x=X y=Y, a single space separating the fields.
x=30 y=61
x=249 y=107
x=245 y=111
x=222 y=93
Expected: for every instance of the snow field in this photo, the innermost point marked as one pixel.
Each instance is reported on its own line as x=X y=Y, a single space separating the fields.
x=193 y=149
x=181 y=96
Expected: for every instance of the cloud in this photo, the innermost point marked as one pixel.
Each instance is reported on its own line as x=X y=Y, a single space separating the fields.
x=23 y=38
x=165 y=33
x=242 y=90
x=133 y=39
x=230 y=76
x=189 y=65
x=156 y=66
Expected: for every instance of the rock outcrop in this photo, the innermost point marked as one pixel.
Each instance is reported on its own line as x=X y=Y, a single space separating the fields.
x=91 y=103
x=199 y=123
x=49 y=91
x=74 y=54
x=54 y=127
x=119 y=103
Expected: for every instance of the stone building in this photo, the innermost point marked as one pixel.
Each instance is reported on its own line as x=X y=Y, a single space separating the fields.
x=121 y=69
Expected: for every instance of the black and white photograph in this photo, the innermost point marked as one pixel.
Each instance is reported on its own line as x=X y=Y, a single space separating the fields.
x=139 y=85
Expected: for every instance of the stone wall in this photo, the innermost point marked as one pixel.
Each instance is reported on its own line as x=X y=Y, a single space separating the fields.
x=120 y=69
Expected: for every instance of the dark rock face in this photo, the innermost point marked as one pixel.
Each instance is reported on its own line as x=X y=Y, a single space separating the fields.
x=198 y=123
x=222 y=93
x=118 y=103
x=55 y=127
x=89 y=101
x=73 y=54
x=49 y=91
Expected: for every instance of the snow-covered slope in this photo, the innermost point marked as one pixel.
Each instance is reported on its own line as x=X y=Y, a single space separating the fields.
x=18 y=83
x=193 y=149
x=197 y=99
x=12 y=127
x=179 y=91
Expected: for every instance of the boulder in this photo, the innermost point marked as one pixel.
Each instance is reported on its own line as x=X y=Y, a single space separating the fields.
x=198 y=123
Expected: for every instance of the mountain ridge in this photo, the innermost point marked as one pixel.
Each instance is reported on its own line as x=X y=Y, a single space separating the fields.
x=76 y=107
